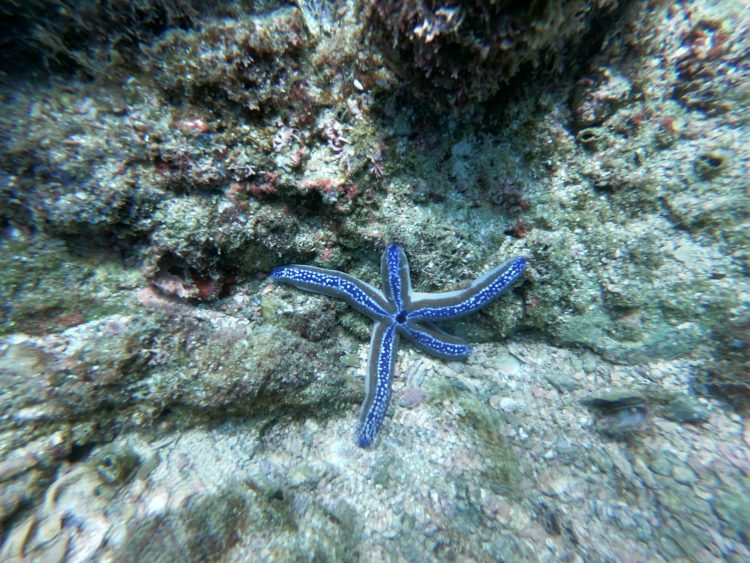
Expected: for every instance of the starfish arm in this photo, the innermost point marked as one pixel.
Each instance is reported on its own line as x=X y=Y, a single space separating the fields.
x=436 y=342
x=394 y=269
x=380 y=364
x=359 y=295
x=431 y=307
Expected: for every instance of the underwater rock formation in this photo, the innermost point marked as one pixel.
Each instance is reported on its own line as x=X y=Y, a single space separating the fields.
x=460 y=53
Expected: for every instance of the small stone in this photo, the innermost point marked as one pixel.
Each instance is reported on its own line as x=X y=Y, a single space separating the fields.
x=621 y=464
x=669 y=546
x=589 y=363
x=519 y=519
x=413 y=397
x=562 y=383
x=509 y=405
x=620 y=412
x=683 y=474
x=351 y=360
x=684 y=253
x=661 y=466
x=17 y=539
x=734 y=510
x=508 y=366
x=563 y=445
x=12 y=467
x=558 y=486
x=644 y=472
x=306 y=474
x=685 y=409
x=49 y=528
x=496 y=505
x=576 y=363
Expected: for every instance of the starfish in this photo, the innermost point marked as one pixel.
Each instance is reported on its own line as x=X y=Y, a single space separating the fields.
x=398 y=311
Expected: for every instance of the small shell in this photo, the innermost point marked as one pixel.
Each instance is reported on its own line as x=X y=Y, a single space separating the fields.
x=619 y=413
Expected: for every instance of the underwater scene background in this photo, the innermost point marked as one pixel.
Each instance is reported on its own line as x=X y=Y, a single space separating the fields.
x=574 y=173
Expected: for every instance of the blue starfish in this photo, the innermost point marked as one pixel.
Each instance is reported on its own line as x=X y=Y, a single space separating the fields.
x=397 y=310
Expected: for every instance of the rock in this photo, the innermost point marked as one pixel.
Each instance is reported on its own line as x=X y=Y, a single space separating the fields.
x=509 y=405
x=732 y=507
x=685 y=409
x=683 y=474
x=508 y=366
x=590 y=363
x=661 y=466
x=306 y=474
x=562 y=383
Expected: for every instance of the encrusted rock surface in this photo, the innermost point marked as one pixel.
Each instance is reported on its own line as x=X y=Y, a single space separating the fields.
x=160 y=398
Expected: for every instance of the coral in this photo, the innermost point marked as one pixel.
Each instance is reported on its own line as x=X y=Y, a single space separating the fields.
x=253 y=62
x=710 y=65
x=94 y=36
x=460 y=53
x=625 y=187
x=49 y=286
x=160 y=165
x=599 y=95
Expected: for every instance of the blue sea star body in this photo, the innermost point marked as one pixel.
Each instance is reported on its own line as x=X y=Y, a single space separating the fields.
x=398 y=311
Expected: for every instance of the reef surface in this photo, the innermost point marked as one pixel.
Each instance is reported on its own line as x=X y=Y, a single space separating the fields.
x=162 y=400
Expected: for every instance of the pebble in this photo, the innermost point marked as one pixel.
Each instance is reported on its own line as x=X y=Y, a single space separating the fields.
x=576 y=364
x=519 y=519
x=589 y=363
x=306 y=474
x=414 y=396
x=558 y=486
x=683 y=474
x=621 y=464
x=563 y=445
x=508 y=366
x=685 y=409
x=562 y=383
x=644 y=472
x=734 y=510
x=509 y=405
x=683 y=253
x=661 y=466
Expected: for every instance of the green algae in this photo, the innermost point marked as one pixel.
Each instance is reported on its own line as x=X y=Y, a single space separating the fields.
x=46 y=286
x=500 y=472
x=204 y=528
